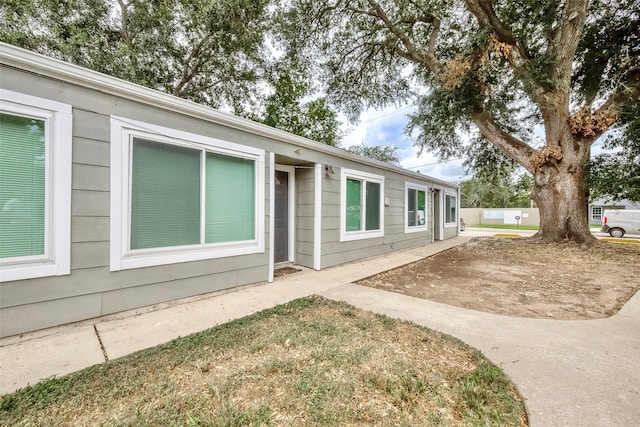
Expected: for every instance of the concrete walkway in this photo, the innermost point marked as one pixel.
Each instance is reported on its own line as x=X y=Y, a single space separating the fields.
x=571 y=373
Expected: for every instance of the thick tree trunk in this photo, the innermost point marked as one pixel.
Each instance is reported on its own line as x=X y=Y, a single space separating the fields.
x=559 y=192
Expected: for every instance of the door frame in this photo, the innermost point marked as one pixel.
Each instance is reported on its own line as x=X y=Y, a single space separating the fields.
x=437 y=207
x=292 y=209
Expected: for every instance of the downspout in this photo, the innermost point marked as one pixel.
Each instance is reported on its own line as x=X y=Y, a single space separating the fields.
x=433 y=220
x=317 y=218
x=458 y=202
x=272 y=214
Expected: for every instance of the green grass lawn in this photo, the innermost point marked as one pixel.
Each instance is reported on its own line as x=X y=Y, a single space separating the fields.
x=310 y=362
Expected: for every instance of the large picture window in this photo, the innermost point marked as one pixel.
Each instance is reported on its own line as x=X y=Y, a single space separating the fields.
x=35 y=187
x=187 y=197
x=361 y=208
x=415 y=207
x=450 y=210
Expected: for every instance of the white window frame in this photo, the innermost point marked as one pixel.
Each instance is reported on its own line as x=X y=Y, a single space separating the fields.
x=420 y=187
x=58 y=118
x=122 y=257
x=364 y=177
x=444 y=202
x=598 y=216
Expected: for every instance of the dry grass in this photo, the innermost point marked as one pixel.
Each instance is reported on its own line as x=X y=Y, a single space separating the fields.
x=523 y=277
x=309 y=362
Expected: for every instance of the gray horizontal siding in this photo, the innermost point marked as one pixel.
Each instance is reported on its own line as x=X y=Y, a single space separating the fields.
x=90 y=177
x=91 y=152
x=450 y=232
x=336 y=252
x=89 y=203
x=31 y=317
x=89 y=229
x=304 y=212
x=89 y=255
x=139 y=296
x=92 y=290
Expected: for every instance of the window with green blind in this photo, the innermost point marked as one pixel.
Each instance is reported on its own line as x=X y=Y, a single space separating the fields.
x=354 y=205
x=178 y=197
x=361 y=212
x=22 y=186
x=230 y=199
x=165 y=195
x=35 y=186
x=355 y=215
x=169 y=187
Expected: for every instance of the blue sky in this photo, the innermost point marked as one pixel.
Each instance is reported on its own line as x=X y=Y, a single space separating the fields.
x=380 y=127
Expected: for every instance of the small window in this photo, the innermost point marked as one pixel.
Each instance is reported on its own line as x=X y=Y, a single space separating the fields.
x=361 y=215
x=415 y=207
x=186 y=197
x=596 y=213
x=450 y=207
x=35 y=187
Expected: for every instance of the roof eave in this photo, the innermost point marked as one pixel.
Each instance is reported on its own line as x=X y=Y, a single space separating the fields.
x=54 y=68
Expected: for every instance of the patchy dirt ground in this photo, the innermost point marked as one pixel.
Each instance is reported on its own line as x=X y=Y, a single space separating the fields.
x=518 y=277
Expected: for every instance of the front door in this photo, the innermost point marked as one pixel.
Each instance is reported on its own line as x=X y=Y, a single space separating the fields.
x=437 y=216
x=281 y=227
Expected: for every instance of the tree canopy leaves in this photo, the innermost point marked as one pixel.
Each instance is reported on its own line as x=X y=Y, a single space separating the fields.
x=285 y=110
x=385 y=153
x=211 y=52
x=501 y=191
x=491 y=69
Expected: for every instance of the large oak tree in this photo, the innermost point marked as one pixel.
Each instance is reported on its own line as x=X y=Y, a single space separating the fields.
x=503 y=69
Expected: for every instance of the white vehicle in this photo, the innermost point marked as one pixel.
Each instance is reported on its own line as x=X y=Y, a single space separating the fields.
x=620 y=222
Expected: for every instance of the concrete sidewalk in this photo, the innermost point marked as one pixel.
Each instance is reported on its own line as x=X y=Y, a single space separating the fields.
x=28 y=358
x=570 y=373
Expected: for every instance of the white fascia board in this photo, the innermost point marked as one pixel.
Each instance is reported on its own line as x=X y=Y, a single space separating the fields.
x=54 y=68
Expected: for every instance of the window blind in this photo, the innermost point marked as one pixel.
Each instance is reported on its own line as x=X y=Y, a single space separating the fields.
x=22 y=186
x=165 y=195
x=354 y=205
x=230 y=199
x=373 y=206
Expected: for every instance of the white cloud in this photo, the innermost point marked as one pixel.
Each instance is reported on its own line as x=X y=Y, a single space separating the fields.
x=381 y=127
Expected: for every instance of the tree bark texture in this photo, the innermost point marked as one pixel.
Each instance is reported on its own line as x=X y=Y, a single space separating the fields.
x=560 y=189
x=561 y=199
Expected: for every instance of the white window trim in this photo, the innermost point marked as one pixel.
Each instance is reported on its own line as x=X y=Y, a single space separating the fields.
x=58 y=118
x=420 y=187
x=317 y=217
x=444 y=203
x=121 y=257
x=291 y=209
x=362 y=176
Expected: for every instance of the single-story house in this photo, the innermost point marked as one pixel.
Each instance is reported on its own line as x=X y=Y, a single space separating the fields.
x=114 y=196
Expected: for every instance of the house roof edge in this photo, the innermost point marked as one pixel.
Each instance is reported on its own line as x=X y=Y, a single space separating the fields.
x=57 y=69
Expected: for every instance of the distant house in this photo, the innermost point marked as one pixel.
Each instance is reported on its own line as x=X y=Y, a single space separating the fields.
x=114 y=196
x=597 y=207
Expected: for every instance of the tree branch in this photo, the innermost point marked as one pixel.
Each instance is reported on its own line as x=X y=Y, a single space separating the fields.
x=486 y=16
x=609 y=112
x=429 y=59
x=508 y=144
x=517 y=55
x=565 y=42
